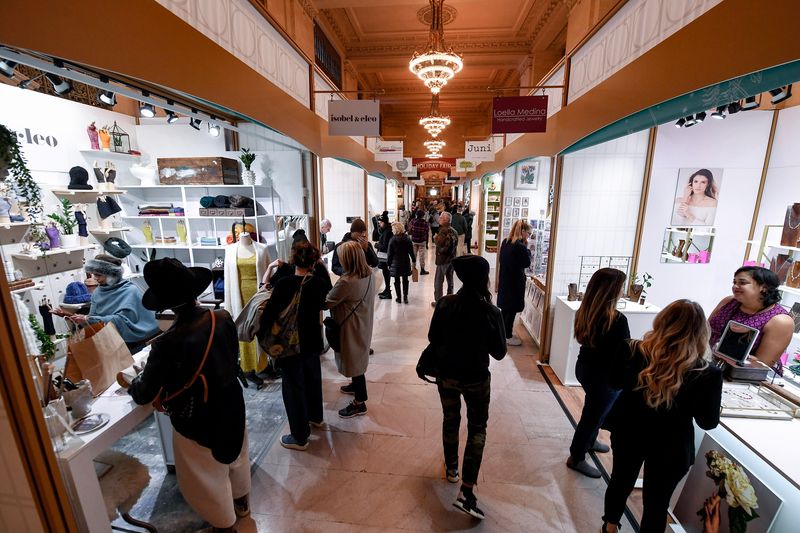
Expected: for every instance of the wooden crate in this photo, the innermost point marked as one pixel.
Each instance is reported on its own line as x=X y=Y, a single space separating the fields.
x=198 y=171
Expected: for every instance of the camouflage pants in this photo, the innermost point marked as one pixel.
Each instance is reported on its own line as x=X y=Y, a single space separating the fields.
x=476 y=396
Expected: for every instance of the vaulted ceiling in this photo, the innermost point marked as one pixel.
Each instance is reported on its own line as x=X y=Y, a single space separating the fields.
x=499 y=40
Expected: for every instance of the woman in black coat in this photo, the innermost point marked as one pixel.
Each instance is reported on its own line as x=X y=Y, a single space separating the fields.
x=666 y=386
x=514 y=259
x=382 y=248
x=401 y=257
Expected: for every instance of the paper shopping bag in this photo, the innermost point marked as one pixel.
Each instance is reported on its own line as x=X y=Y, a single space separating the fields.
x=414 y=274
x=98 y=357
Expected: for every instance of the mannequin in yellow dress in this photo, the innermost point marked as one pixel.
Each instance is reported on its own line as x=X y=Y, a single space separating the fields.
x=252 y=359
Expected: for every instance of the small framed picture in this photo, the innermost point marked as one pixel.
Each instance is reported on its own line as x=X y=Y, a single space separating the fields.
x=517 y=201
x=524 y=212
x=515 y=212
x=507 y=222
x=527 y=175
x=509 y=201
x=525 y=201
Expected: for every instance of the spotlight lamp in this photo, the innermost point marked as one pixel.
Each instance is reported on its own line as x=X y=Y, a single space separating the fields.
x=213 y=129
x=7 y=68
x=172 y=118
x=734 y=107
x=689 y=122
x=780 y=94
x=700 y=117
x=60 y=85
x=107 y=98
x=195 y=123
x=146 y=110
x=680 y=123
x=719 y=114
x=750 y=103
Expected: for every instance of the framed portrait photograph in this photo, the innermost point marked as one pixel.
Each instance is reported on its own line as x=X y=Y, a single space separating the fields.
x=517 y=201
x=525 y=213
x=525 y=201
x=515 y=212
x=696 y=196
x=509 y=201
x=527 y=175
x=507 y=222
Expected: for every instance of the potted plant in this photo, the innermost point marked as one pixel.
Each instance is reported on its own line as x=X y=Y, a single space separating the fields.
x=66 y=220
x=247 y=157
x=14 y=171
x=637 y=292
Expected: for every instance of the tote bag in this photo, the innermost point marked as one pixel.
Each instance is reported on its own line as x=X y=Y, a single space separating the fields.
x=283 y=339
x=97 y=353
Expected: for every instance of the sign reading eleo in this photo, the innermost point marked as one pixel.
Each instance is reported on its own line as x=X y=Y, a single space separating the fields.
x=479 y=150
x=29 y=137
x=354 y=117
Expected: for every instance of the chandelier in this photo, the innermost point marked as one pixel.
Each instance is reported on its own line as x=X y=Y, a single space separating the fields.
x=434 y=123
x=439 y=64
x=433 y=155
x=434 y=146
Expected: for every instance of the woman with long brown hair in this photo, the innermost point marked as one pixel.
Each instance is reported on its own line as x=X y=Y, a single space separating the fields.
x=601 y=330
x=666 y=384
x=514 y=259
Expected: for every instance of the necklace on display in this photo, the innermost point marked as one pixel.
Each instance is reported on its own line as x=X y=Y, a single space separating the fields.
x=789 y=217
x=793 y=277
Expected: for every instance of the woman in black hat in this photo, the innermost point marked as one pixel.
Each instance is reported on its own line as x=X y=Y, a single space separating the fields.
x=465 y=330
x=192 y=370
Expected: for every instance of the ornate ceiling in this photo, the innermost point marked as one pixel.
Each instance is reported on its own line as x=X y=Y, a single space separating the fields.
x=499 y=39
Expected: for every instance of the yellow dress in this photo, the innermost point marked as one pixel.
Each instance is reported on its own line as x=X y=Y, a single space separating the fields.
x=252 y=357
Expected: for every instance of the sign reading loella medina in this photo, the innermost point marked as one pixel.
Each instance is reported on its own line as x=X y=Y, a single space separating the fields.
x=388 y=150
x=354 y=117
x=405 y=167
x=465 y=165
x=479 y=150
x=519 y=114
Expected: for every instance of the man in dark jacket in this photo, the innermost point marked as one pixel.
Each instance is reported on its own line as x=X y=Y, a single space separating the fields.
x=469 y=217
x=358 y=232
x=419 y=229
x=459 y=223
x=446 y=242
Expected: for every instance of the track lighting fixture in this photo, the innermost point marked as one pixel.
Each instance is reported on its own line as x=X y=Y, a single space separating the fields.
x=7 y=68
x=700 y=117
x=24 y=84
x=106 y=97
x=146 y=110
x=719 y=114
x=213 y=129
x=680 y=123
x=172 y=118
x=780 y=94
x=60 y=85
x=690 y=121
x=750 y=103
x=195 y=123
x=734 y=107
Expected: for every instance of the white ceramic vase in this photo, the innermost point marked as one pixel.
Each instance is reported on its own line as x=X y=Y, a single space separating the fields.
x=69 y=241
x=248 y=177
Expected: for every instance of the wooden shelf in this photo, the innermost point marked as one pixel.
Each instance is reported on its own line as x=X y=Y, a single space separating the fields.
x=13 y=225
x=35 y=287
x=91 y=193
x=110 y=155
x=50 y=253
x=104 y=231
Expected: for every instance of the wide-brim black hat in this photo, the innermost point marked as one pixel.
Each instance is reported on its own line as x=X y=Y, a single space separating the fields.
x=171 y=283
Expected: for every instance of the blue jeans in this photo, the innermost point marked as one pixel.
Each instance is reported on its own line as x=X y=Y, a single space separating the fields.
x=600 y=397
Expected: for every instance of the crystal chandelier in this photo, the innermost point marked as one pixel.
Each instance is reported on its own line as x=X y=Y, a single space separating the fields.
x=434 y=146
x=434 y=123
x=433 y=155
x=439 y=64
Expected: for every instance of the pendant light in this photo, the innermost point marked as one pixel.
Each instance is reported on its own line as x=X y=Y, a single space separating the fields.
x=439 y=63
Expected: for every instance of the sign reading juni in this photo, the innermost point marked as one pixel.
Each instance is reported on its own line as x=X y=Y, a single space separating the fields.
x=479 y=150
x=519 y=114
x=354 y=117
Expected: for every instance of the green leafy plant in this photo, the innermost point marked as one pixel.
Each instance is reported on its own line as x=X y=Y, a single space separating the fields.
x=46 y=344
x=14 y=171
x=65 y=219
x=645 y=280
x=247 y=157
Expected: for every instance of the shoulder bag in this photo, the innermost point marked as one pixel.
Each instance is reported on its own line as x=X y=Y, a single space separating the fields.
x=333 y=329
x=283 y=339
x=179 y=403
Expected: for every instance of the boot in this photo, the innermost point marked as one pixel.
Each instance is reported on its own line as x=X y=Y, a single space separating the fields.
x=573 y=292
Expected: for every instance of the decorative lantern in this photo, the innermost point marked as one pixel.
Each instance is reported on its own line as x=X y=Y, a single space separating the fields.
x=120 y=141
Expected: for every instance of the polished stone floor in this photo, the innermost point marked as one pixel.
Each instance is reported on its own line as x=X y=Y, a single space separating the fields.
x=383 y=471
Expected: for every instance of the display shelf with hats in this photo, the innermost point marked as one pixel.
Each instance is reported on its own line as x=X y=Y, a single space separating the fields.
x=91 y=154
x=44 y=254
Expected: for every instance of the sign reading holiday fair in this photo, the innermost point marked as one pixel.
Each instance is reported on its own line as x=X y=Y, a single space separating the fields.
x=519 y=114
x=443 y=164
x=388 y=150
x=354 y=117
x=479 y=150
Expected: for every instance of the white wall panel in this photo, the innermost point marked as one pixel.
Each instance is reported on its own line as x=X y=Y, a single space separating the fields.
x=376 y=194
x=737 y=145
x=343 y=187
x=636 y=28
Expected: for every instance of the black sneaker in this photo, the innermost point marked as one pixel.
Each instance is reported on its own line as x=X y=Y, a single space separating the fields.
x=398 y=300
x=353 y=409
x=385 y=295
x=584 y=468
x=469 y=504
x=423 y=272
x=348 y=389
x=451 y=474
x=405 y=299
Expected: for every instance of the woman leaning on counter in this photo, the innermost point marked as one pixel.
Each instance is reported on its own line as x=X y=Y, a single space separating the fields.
x=756 y=303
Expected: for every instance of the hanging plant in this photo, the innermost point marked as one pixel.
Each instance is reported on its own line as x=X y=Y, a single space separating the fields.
x=15 y=172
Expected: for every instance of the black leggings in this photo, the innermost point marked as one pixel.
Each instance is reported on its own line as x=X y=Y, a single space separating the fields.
x=508 y=321
x=397 y=280
x=386 y=278
x=360 y=388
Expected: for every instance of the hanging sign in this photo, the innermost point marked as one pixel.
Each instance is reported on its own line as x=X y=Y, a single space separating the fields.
x=465 y=165
x=519 y=114
x=388 y=150
x=443 y=164
x=354 y=117
x=404 y=166
x=479 y=150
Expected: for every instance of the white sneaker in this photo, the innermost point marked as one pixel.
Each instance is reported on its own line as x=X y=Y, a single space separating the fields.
x=514 y=341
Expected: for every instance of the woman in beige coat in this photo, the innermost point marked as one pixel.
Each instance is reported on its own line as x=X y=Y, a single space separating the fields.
x=351 y=304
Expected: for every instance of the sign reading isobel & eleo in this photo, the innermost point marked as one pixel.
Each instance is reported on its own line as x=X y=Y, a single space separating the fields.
x=354 y=117
x=519 y=114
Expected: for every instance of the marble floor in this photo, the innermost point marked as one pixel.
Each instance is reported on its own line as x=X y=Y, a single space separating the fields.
x=383 y=471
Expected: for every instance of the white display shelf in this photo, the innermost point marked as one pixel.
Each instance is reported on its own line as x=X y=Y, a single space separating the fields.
x=151 y=217
x=80 y=193
x=108 y=231
x=778 y=246
x=50 y=253
x=110 y=155
x=209 y=186
x=671 y=257
x=791 y=290
x=35 y=287
x=698 y=233
x=195 y=246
